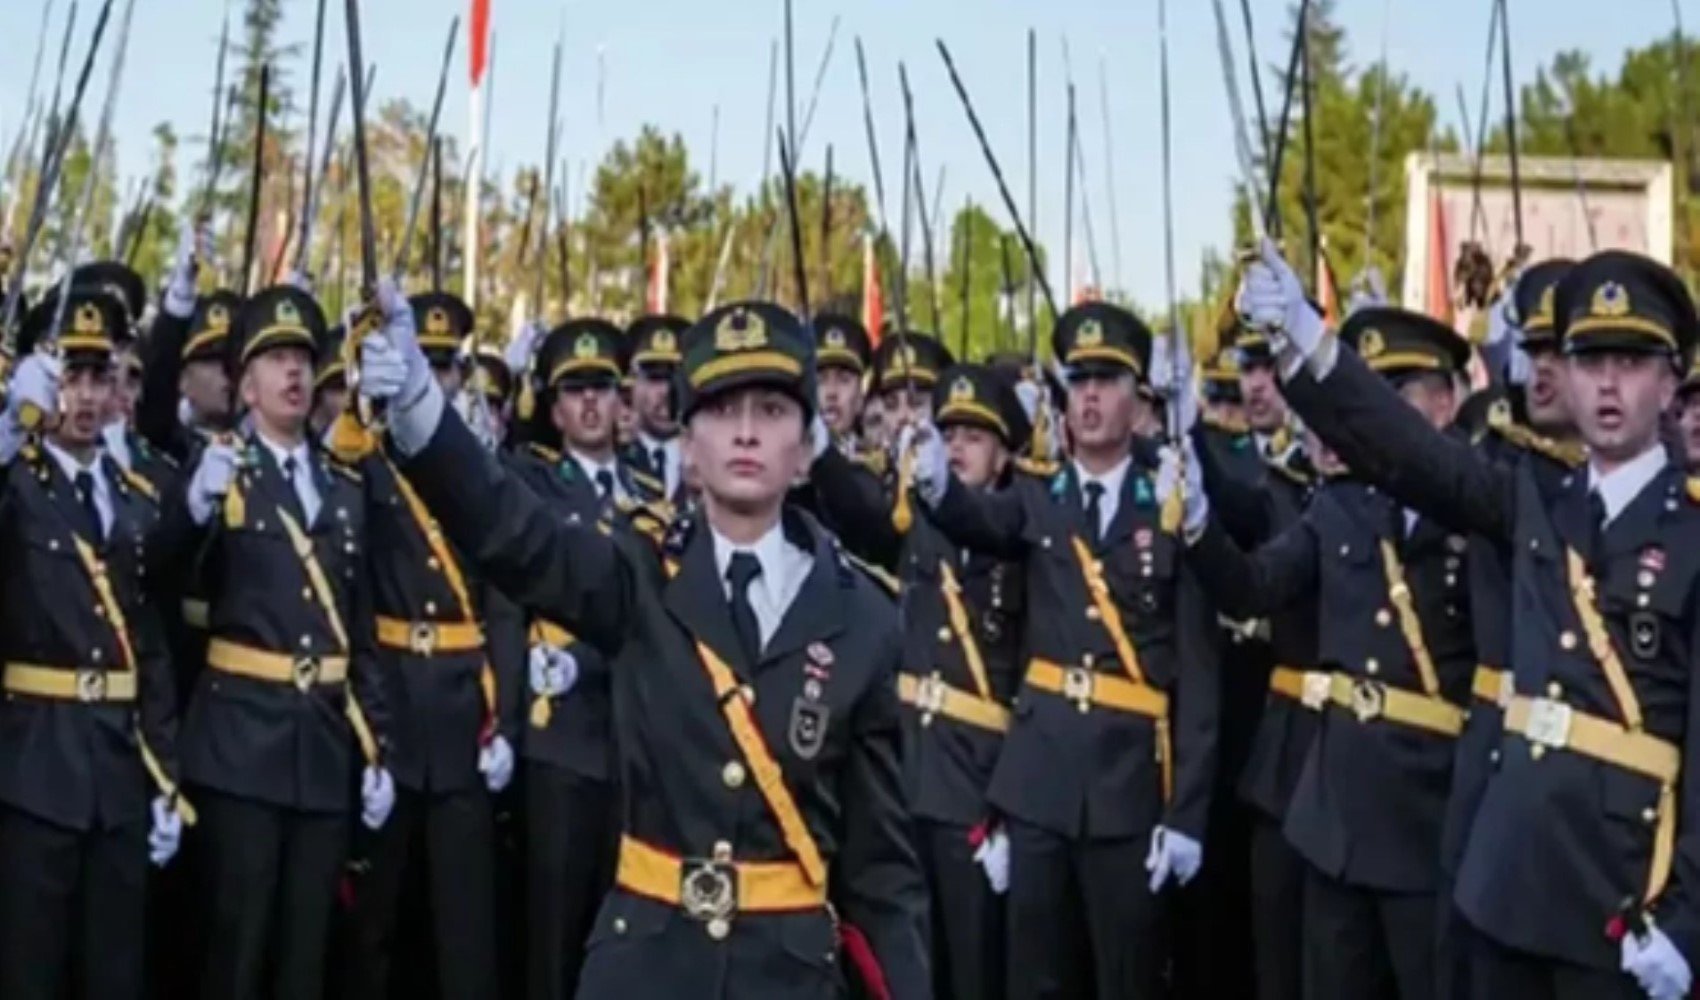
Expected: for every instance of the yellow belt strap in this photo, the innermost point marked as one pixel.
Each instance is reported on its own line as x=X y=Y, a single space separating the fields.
x=958 y=615
x=932 y=696
x=1490 y=684
x=1400 y=593
x=1111 y=616
x=452 y=574
x=327 y=600
x=1085 y=687
x=762 y=886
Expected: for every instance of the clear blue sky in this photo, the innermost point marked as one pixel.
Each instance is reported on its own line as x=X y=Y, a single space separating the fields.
x=670 y=61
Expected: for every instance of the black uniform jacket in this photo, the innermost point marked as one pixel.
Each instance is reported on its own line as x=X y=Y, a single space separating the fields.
x=274 y=742
x=78 y=765
x=825 y=703
x=1369 y=801
x=947 y=763
x=1098 y=774
x=1561 y=839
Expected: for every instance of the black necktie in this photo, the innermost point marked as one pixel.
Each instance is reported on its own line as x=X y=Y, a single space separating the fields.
x=743 y=570
x=1094 y=511
x=84 y=483
x=605 y=484
x=660 y=457
x=1596 y=525
x=295 y=504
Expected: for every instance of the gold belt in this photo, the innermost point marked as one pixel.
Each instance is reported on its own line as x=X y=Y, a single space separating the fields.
x=1492 y=685
x=1087 y=687
x=427 y=638
x=1309 y=688
x=715 y=889
x=1369 y=700
x=68 y=684
x=932 y=697
x=279 y=668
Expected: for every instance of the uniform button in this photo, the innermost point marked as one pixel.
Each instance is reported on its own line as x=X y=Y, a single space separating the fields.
x=99 y=611
x=1372 y=665
x=1045 y=543
x=619 y=925
x=1537 y=751
x=1382 y=618
x=1555 y=690
x=733 y=774
x=1087 y=659
x=1345 y=550
x=718 y=928
x=94 y=654
x=433 y=564
x=722 y=852
x=1649 y=814
x=944 y=633
x=1567 y=639
x=1493 y=756
x=430 y=607
x=306 y=593
x=306 y=641
x=1092 y=614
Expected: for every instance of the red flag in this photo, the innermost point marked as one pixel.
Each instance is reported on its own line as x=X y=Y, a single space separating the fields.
x=1327 y=294
x=1437 y=300
x=873 y=301
x=478 y=55
x=660 y=265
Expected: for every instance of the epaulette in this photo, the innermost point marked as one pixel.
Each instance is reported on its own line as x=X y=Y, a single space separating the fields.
x=139 y=483
x=1036 y=467
x=649 y=482
x=1215 y=422
x=651 y=520
x=1286 y=471
x=885 y=581
x=347 y=472
x=873 y=460
x=547 y=454
x=153 y=454
x=1569 y=454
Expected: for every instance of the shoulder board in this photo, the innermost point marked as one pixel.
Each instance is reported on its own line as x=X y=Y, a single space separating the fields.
x=648 y=482
x=139 y=483
x=1225 y=426
x=347 y=472
x=549 y=455
x=1286 y=472
x=885 y=581
x=871 y=459
x=1041 y=468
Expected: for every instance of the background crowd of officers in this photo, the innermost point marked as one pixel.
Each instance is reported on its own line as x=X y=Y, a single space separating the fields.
x=1164 y=693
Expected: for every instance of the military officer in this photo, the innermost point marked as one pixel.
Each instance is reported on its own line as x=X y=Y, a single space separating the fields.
x=1394 y=634
x=87 y=726
x=843 y=355
x=1106 y=774
x=652 y=359
x=451 y=674
x=291 y=692
x=963 y=624
x=906 y=367
x=185 y=360
x=1574 y=877
x=572 y=824
x=758 y=718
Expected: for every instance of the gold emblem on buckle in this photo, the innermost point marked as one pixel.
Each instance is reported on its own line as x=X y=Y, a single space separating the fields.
x=1549 y=723
x=91 y=685
x=1369 y=700
x=1317 y=686
x=929 y=697
x=1077 y=687
x=422 y=638
x=306 y=673
x=708 y=893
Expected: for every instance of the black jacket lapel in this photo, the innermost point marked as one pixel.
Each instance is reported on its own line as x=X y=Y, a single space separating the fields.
x=697 y=598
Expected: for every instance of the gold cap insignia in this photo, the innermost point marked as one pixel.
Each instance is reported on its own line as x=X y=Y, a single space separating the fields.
x=962 y=390
x=1091 y=334
x=1610 y=299
x=586 y=347
x=437 y=320
x=287 y=314
x=218 y=317
x=88 y=320
x=1371 y=344
x=741 y=330
x=663 y=341
x=1545 y=308
x=834 y=337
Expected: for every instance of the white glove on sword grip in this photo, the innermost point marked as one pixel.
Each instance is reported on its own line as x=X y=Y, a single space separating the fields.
x=213 y=475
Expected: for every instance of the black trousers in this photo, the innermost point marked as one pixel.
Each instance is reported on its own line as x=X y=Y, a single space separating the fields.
x=271 y=882
x=1363 y=943
x=1212 y=930
x=1081 y=920
x=1277 y=900
x=572 y=834
x=967 y=916
x=1498 y=972
x=72 y=910
x=447 y=843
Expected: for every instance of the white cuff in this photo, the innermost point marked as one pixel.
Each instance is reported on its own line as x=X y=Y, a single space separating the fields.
x=1321 y=361
x=178 y=306
x=413 y=424
x=200 y=508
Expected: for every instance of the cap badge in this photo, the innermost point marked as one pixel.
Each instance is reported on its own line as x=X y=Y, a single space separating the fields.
x=1372 y=344
x=663 y=341
x=218 y=317
x=1091 y=334
x=1611 y=299
x=437 y=320
x=1545 y=308
x=962 y=390
x=834 y=337
x=88 y=320
x=585 y=347
x=286 y=314
x=739 y=331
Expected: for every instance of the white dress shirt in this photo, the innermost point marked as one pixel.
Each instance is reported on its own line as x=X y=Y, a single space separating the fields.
x=102 y=489
x=1624 y=483
x=114 y=437
x=784 y=567
x=306 y=490
x=592 y=469
x=670 y=456
x=1112 y=482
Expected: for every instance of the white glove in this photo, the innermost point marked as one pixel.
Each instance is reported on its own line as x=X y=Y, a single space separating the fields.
x=1179 y=469
x=393 y=369
x=1519 y=370
x=35 y=382
x=1174 y=855
x=213 y=475
x=820 y=438
x=1031 y=396
x=192 y=247
x=377 y=797
x=1162 y=374
x=496 y=763
x=1656 y=964
x=993 y=856
x=1502 y=319
x=1272 y=298
x=167 y=832
x=520 y=348
x=1182 y=387
x=553 y=670
x=932 y=465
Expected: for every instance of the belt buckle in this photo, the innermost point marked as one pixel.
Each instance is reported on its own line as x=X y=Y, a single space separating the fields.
x=306 y=671
x=1507 y=688
x=1549 y=723
x=929 y=696
x=708 y=892
x=91 y=686
x=1077 y=686
x=1369 y=700
x=422 y=638
x=1314 y=693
